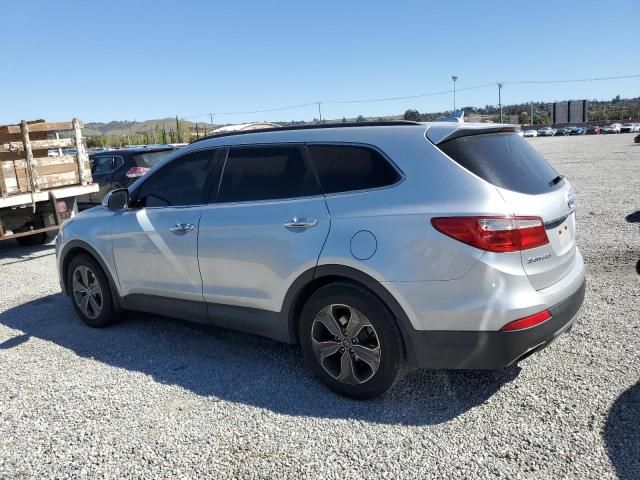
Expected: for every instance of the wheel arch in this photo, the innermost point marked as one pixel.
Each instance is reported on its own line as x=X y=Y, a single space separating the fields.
x=311 y=280
x=79 y=247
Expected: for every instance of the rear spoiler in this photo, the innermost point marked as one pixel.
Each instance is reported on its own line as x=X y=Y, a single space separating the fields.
x=442 y=132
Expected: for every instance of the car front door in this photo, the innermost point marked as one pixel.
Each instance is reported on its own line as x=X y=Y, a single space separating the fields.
x=155 y=241
x=265 y=227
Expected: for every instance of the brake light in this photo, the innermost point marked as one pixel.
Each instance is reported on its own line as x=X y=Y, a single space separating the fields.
x=135 y=172
x=494 y=234
x=527 y=322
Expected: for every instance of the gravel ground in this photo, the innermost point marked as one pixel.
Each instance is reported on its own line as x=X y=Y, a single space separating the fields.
x=153 y=397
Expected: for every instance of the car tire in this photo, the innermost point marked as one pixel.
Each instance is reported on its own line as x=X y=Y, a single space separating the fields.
x=360 y=360
x=90 y=292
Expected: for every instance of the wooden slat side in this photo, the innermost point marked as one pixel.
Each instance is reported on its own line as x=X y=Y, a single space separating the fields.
x=51 y=181
x=17 y=137
x=44 y=171
x=37 y=145
x=42 y=161
x=40 y=127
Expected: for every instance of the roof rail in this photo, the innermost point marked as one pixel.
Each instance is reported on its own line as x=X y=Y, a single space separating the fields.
x=315 y=126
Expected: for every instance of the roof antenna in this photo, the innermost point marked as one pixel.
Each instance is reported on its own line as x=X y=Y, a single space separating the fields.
x=457 y=116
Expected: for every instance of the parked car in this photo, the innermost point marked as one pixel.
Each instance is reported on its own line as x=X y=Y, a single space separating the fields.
x=564 y=131
x=578 y=131
x=113 y=169
x=547 y=132
x=629 y=128
x=613 y=128
x=333 y=237
x=593 y=130
x=530 y=133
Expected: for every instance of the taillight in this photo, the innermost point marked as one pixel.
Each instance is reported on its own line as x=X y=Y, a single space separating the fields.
x=494 y=234
x=527 y=322
x=135 y=172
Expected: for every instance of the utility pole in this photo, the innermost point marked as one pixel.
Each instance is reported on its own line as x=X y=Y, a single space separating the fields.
x=454 y=78
x=211 y=118
x=531 y=113
x=319 y=111
x=500 y=99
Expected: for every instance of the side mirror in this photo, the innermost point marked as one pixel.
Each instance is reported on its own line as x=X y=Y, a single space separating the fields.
x=117 y=200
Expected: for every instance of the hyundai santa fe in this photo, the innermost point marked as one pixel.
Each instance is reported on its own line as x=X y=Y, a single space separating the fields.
x=377 y=248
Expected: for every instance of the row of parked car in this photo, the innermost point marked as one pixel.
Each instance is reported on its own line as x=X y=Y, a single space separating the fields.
x=588 y=130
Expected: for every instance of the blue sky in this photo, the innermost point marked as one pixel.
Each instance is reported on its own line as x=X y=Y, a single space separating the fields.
x=117 y=60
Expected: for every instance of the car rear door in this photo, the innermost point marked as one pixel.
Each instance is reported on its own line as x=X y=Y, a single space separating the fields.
x=155 y=241
x=265 y=226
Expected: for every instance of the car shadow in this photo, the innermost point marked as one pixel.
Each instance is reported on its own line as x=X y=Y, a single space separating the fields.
x=243 y=368
x=17 y=253
x=622 y=434
x=633 y=217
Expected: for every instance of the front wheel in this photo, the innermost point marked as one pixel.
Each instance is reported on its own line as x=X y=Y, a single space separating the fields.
x=351 y=341
x=90 y=292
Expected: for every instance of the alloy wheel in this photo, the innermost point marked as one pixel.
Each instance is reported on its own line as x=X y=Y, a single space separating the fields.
x=346 y=344
x=87 y=292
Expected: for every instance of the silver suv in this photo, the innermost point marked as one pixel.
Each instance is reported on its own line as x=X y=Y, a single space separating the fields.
x=377 y=247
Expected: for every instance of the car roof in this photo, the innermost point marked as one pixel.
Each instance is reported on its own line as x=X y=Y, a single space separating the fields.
x=364 y=132
x=133 y=151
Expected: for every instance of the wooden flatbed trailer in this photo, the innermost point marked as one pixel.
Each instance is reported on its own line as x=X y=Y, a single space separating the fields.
x=44 y=166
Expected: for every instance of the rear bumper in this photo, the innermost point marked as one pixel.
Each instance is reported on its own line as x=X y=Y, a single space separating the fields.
x=493 y=349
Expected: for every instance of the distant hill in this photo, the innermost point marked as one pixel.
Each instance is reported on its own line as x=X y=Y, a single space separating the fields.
x=125 y=127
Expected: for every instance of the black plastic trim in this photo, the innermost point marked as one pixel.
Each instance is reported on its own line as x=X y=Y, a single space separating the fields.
x=191 y=310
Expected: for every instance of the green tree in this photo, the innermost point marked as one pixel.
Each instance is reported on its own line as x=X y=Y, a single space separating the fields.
x=360 y=118
x=412 y=115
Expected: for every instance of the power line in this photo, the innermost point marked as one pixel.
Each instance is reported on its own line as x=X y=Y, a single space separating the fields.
x=409 y=97
x=421 y=95
x=575 y=80
x=291 y=107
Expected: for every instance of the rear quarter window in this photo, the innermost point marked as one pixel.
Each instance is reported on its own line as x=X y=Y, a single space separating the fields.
x=504 y=160
x=345 y=168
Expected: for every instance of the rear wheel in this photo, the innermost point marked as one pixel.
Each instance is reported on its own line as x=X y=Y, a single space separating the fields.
x=351 y=341
x=90 y=292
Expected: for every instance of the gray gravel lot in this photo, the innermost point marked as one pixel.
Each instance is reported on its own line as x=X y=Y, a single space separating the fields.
x=154 y=397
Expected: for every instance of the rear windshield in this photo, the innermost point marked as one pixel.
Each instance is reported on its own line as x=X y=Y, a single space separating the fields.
x=505 y=160
x=149 y=159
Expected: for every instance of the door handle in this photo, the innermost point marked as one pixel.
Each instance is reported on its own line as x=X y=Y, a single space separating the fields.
x=180 y=228
x=301 y=223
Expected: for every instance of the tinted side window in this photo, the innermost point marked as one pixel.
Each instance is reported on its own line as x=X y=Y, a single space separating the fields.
x=266 y=173
x=343 y=168
x=180 y=182
x=100 y=165
x=503 y=159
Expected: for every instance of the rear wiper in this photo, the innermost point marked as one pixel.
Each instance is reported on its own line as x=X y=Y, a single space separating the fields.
x=556 y=180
